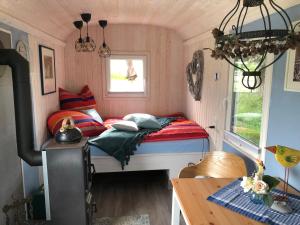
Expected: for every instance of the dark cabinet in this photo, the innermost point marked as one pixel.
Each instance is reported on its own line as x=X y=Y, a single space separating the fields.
x=68 y=171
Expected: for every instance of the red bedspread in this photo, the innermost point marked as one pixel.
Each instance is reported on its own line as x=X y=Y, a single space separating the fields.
x=181 y=129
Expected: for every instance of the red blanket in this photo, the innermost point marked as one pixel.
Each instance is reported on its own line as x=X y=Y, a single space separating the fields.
x=181 y=129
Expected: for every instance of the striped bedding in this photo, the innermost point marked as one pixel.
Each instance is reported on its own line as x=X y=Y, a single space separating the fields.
x=72 y=101
x=89 y=126
x=180 y=129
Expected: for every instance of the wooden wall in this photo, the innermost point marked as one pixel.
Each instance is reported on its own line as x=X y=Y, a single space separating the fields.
x=44 y=105
x=211 y=109
x=169 y=56
x=166 y=68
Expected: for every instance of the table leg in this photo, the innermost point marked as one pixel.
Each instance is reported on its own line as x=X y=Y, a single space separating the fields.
x=175 y=210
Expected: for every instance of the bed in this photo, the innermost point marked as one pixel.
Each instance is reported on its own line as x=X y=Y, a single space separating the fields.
x=171 y=148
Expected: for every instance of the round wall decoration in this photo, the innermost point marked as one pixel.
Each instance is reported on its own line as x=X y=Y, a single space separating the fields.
x=194 y=72
x=22 y=49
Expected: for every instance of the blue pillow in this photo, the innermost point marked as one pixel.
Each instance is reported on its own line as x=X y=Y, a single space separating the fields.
x=143 y=120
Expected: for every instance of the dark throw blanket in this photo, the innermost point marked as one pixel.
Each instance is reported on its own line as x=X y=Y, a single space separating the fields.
x=122 y=144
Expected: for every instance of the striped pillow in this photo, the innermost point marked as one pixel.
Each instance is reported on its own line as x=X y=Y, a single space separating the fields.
x=84 y=100
x=88 y=126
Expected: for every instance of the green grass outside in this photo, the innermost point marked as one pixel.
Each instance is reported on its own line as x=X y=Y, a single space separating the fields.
x=118 y=76
x=248 y=134
x=248 y=115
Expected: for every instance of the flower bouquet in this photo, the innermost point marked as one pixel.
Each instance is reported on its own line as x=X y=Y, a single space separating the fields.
x=260 y=185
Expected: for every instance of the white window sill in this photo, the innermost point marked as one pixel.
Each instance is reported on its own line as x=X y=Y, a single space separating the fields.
x=126 y=95
x=250 y=150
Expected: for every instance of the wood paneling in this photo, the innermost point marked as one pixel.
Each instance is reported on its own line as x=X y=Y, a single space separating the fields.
x=188 y=17
x=43 y=105
x=165 y=48
x=211 y=109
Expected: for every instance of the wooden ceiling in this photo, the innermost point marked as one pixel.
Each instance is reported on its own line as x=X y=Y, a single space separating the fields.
x=188 y=17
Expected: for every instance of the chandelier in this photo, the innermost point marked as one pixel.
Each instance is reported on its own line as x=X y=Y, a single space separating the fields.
x=104 y=50
x=242 y=45
x=85 y=44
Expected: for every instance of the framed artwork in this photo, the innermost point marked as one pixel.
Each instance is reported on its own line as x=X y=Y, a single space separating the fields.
x=47 y=64
x=5 y=42
x=292 y=76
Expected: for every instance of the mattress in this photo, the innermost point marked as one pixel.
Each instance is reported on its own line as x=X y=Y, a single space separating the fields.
x=180 y=129
x=160 y=147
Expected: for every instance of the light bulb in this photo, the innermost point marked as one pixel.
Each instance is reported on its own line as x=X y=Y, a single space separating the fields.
x=104 y=50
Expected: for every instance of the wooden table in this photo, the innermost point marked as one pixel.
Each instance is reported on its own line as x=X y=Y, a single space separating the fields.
x=190 y=197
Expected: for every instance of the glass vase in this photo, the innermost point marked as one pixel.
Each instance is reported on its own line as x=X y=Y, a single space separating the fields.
x=257 y=198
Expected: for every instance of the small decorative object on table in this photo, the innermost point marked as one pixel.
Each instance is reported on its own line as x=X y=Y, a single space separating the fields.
x=288 y=158
x=260 y=185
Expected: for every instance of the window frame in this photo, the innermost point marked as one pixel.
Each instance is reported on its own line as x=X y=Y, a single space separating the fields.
x=145 y=56
x=238 y=142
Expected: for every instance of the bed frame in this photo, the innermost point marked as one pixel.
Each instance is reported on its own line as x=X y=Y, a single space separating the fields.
x=172 y=162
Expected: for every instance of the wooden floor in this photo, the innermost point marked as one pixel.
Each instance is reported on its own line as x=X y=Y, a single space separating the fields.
x=134 y=193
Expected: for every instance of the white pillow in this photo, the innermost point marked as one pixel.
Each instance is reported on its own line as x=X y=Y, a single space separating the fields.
x=143 y=120
x=93 y=113
x=125 y=125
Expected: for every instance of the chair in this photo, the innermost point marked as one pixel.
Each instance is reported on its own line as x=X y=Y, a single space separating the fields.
x=217 y=164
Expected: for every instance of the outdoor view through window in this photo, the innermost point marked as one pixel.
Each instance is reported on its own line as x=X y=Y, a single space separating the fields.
x=126 y=75
x=247 y=106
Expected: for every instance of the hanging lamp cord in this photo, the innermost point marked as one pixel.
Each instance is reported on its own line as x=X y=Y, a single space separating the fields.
x=103 y=35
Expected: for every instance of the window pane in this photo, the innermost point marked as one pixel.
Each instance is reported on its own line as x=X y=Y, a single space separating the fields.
x=126 y=75
x=246 y=107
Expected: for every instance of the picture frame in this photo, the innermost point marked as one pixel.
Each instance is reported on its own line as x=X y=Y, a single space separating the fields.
x=47 y=69
x=292 y=74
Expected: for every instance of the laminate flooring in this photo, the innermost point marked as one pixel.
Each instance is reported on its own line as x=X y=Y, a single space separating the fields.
x=134 y=193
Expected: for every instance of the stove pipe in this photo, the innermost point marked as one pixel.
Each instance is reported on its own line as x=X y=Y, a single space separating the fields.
x=23 y=106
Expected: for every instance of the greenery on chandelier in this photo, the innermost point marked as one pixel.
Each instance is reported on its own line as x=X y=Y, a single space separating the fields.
x=231 y=46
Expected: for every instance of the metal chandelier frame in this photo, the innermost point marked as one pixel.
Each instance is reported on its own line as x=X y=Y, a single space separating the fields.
x=241 y=45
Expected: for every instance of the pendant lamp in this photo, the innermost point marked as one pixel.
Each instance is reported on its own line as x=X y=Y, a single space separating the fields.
x=104 y=51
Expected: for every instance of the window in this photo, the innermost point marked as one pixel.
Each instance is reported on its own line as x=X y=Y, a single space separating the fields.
x=247 y=106
x=248 y=111
x=126 y=75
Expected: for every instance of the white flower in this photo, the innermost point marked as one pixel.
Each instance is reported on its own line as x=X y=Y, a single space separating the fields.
x=260 y=187
x=247 y=183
